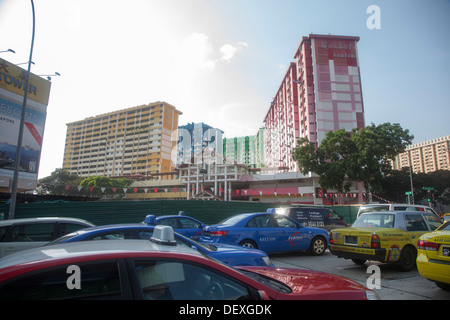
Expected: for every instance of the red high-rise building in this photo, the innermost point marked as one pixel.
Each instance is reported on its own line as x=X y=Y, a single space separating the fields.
x=320 y=92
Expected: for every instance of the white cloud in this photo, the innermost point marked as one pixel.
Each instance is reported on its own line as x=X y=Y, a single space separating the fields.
x=229 y=51
x=197 y=50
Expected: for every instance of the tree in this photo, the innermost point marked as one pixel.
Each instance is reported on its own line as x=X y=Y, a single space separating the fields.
x=57 y=181
x=361 y=155
x=330 y=160
x=377 y=145
x=98 y=182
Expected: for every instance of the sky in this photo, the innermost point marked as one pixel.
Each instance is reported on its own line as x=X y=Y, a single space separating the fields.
x=221 y=62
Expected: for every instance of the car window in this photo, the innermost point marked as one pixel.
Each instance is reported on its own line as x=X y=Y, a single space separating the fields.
x=3 y=231
x=372 y=209
x=375 y=221
x=113 y=235
x=404 y=208
x=68 y=227
x=433 y=221
x=96 y=281
x=179 y=280
x=415 y=222
x=31 y=232
x=171 y=222
x=333 y=214
x=187 y=223
x=445 y=226
x=284 y=222
x=261 y=221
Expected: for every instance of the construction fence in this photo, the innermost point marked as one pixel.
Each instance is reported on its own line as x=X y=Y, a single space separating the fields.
x=112 y=212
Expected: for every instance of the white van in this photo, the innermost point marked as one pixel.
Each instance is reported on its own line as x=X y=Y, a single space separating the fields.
x=395 y=207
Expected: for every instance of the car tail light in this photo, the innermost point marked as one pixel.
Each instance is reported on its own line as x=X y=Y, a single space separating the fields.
x=218 y=233
x=375 y=241
x=331 y=237
x=427 y=245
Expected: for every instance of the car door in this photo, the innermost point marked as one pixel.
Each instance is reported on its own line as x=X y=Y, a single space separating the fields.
x=291 y=236
x=190 y=228
x=26 y=236
x=265 y=232
x=415 y=226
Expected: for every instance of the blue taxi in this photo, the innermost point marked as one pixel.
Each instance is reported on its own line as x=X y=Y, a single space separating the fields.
x=269 y=232
x=228 y=254
x=185 y=225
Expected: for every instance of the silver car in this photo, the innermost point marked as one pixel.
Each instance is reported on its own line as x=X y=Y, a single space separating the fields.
x=394 y=207
x=22 y=234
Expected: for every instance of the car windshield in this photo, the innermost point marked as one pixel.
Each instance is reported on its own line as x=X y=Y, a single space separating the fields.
x=374 y=208
x=445 y=227
x=267 y=281
x=375 y=220
x=233 y=220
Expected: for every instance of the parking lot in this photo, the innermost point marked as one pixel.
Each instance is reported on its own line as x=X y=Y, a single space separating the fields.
x=395 y=284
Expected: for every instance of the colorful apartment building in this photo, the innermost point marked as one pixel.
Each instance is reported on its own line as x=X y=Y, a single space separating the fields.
x=129 y=142
x=320 y=92
x=247 y=150
x=425 y=157
x=198 y=143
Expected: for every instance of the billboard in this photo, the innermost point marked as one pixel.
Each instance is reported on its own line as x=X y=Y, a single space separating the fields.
x=12 y=89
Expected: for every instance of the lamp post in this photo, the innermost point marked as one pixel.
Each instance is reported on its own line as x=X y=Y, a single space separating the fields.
x=49 y=76
x=12 y=206
x=9 y=50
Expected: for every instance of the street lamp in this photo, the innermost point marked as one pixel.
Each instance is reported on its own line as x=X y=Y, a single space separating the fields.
x=9 y=50
x=12 y=206
x=49 y=76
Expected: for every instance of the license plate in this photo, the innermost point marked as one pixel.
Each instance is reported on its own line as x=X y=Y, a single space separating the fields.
x=446 y=251
x=351 y=240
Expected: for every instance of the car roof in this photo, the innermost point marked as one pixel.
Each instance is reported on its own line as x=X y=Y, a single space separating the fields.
x=43 y=219
x=394 y=212
x=114 y=227
x=94 y=248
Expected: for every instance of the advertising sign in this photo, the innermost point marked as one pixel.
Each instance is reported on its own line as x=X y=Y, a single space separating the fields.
x=12 y=89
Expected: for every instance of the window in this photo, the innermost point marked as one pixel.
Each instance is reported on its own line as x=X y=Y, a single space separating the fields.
x=284 y=222
x=97 y=281
x=375 y=221
x=31 y=232
x=68 y=227
x=415 y=222
x=263 y=221
x=433 y=221
x=179 y=280
x=171 y=222
x=189 y=223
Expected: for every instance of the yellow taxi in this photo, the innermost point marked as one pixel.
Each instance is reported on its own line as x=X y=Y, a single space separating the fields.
x=385 y=236
x=433 y=259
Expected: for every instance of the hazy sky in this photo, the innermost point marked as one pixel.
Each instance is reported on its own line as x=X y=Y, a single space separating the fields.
x=221 y=61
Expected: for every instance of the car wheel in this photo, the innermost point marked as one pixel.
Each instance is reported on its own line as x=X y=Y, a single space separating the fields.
x=444 y=286
x=359 y=262
x=249 y=244
x=317 y=246
x=407 y=260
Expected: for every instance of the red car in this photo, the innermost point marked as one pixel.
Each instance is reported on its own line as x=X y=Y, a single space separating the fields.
x=156 y=270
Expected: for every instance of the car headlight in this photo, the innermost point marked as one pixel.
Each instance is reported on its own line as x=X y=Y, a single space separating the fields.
x=372 y=295
x=267 y=261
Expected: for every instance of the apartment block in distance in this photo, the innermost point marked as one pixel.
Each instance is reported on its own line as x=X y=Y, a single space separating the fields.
x=247 y=150
x=320 y=92
x=197 y=141
x=425 y=157
x=129 y=142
